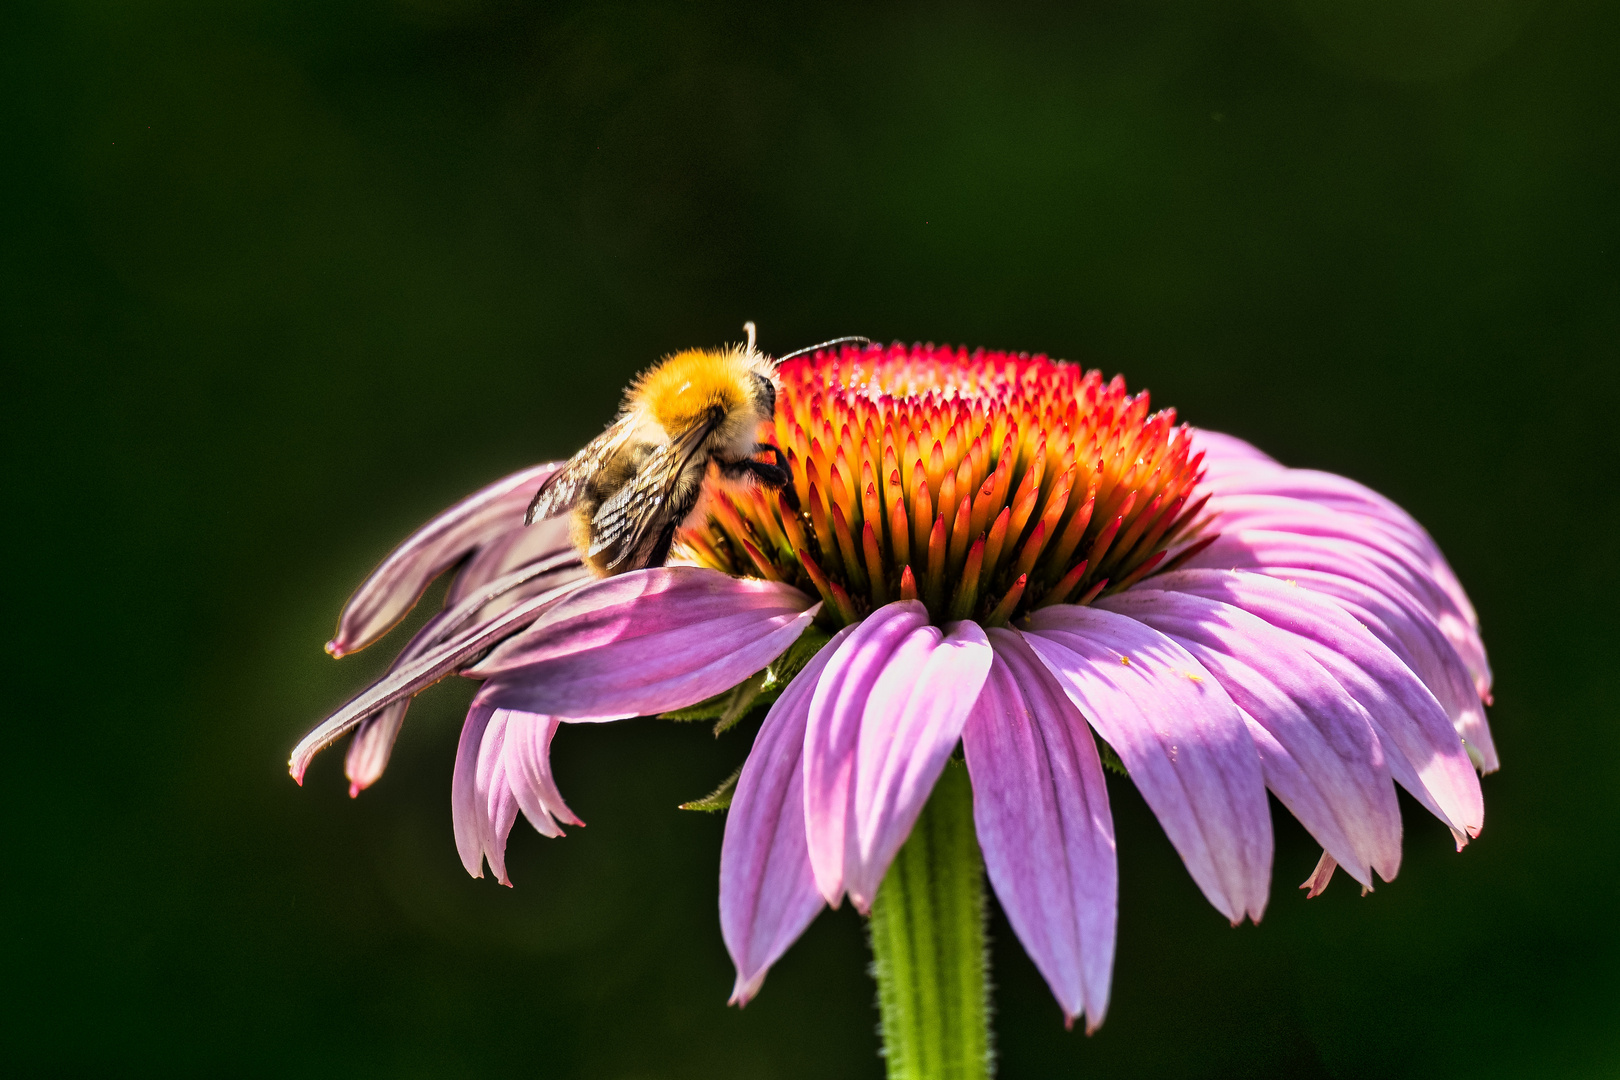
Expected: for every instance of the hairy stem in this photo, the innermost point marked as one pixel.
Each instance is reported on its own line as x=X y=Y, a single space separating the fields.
x=928 y=945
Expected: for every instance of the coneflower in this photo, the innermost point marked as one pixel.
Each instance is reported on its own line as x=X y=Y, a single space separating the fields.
x=997 y=553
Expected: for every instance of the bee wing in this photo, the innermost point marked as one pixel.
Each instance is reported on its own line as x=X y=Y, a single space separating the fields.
x=626 y=518
x=563 y=488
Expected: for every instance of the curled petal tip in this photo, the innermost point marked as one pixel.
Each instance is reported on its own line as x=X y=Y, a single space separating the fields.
x=1318 y=881
x=744 y=991
x=354 y=790
x=334 y=650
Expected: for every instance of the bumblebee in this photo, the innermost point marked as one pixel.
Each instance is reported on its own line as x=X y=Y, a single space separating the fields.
x=633 y=486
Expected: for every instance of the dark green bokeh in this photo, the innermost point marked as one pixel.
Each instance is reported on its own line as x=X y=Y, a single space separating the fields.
x=281 y=280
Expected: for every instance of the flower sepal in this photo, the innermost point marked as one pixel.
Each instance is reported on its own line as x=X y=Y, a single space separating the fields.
x=719 y=798
x=725 y=708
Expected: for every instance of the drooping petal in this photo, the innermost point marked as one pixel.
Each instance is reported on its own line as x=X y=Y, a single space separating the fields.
x=1392 y=534
x=1409 y=547
x=832 y=733
x=372 y=745
x=468 y=809
x=768 y=891
x=1342 y=493
x=1323 y=489
x=645 y=642
x=1320 y=876
x=399 y=580
x=373 y=740
x=1234 y=468
x=1424 y=751
x=502 y=765
x=527 y=750
x=1413 y=637
x=1318 y=750
x=494 y=796
x=911 y=722
x=407 y=678
x=1243 y=549
x=512 y=550
x=1180 y=736
x=1040 y=807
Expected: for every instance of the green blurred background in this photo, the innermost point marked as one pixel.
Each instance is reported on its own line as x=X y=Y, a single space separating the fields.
x=283 y=279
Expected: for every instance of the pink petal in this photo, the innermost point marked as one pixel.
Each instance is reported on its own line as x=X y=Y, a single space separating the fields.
x=372 y=745
x=527 y=751
x=1318 y=751
x=409 y=676
x=1323 y=489
x=493 y=795
x=1320 y=876
x=1397 y=538
x=1182 y=739
x=468 y=806
x=1342 y=493
x=510 y=550
x=373 y=740
x=502 y=765
x=1424 y=751
x=1231 y=472
x=768 y=891
x=1040 y=807
x=1413 y=637
x=1262 y=548
x=912 y=721
x=643 y=643
x=1306 y=522
x=1409 y=547
x=832 y=733
x=398 y=582
x=1227 y=453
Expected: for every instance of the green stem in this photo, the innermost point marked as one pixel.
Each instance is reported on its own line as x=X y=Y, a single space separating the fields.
x=928 y=946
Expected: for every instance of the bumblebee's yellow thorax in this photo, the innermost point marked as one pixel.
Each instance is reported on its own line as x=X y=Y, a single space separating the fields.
x=681 y=390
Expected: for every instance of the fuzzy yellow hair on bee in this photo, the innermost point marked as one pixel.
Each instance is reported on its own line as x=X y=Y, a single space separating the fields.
x=682 y=389
x=633 y=486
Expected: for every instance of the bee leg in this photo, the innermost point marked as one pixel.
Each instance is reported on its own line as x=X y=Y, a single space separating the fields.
x=776 y=476
x=781 y=458
x=784 y=480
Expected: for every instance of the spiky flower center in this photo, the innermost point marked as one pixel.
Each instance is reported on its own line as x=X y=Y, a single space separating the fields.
x=984 y=484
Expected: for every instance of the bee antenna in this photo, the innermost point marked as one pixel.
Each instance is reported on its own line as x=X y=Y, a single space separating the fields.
x=825 y=344
x=751 y=331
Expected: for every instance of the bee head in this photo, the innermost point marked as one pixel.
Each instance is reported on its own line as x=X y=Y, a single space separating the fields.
x=691 y=387
x=764 y=396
